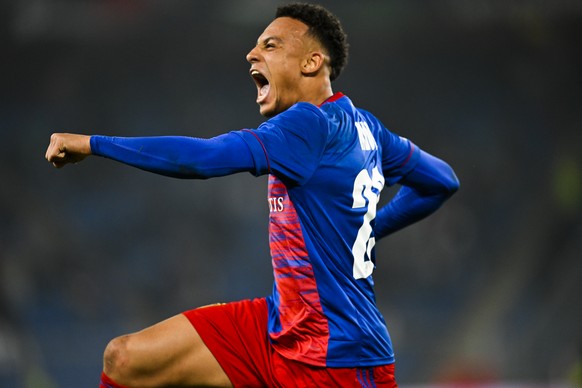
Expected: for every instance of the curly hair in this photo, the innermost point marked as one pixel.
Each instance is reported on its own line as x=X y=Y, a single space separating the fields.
x=323 y=26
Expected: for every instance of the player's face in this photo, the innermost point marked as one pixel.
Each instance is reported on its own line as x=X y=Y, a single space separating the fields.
x=276 y=65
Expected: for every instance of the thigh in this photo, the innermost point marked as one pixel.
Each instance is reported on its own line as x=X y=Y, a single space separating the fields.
x=170 y=353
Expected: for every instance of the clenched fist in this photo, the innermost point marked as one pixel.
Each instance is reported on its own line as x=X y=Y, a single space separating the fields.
x=67 y=148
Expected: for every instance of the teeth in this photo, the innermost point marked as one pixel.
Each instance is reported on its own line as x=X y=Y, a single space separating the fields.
x=255 y=72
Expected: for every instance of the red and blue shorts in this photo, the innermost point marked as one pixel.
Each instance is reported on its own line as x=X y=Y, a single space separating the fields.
x=236 y=334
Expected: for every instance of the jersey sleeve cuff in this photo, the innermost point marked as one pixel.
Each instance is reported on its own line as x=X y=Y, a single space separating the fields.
x=94 y=142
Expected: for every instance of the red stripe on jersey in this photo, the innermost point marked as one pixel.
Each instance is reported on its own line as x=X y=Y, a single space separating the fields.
x=409 y=155
x=304 y=333
x=263 y=147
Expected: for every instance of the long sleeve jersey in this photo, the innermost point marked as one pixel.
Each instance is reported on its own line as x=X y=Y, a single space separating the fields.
x=327 y=165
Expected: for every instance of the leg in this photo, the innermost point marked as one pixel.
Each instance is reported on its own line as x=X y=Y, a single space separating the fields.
x=170 y=353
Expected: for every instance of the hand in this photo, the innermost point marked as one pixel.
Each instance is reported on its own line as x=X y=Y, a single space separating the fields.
x=67 y=148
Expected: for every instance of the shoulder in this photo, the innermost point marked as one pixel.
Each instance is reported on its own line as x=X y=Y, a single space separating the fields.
x=299 y=117
x=302 y=110
x=370 y=117
x=343 y=110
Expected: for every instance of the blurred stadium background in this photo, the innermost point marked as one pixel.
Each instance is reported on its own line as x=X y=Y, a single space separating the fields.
x=488 y=291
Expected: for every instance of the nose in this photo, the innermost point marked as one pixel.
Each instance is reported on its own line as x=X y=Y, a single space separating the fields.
x=252 y=56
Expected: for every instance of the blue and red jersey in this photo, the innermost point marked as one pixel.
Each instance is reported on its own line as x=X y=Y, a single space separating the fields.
x=327 y=165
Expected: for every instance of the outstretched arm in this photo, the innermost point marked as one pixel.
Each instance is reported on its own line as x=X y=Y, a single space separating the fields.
x=423 y=191
x=176 y=156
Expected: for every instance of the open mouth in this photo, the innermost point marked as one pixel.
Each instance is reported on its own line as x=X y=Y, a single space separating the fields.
x=262 y=83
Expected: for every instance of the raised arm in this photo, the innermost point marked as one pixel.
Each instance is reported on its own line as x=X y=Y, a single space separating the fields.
x=175 y=156
x=424 y=190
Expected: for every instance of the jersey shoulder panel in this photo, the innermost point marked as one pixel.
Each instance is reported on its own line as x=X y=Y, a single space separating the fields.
x=294 y=141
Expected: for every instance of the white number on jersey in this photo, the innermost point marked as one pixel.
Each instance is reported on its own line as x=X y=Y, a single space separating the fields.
x=365 y=196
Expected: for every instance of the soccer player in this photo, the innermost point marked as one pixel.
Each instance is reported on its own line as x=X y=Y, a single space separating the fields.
x=327 y=163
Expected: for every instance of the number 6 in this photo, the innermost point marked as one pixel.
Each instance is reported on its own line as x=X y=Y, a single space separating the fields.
x=364 y=196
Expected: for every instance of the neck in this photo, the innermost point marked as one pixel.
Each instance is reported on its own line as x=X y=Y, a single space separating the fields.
x=318 y=91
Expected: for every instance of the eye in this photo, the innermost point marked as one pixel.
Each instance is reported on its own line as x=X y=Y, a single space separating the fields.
x=269 y=44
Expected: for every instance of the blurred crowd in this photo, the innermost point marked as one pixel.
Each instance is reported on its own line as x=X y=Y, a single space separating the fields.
x=486 y=290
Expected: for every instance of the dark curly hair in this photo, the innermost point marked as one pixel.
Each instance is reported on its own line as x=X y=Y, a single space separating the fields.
x=323 y=26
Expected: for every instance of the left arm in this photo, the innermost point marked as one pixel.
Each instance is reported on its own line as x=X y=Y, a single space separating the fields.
x=175 y=156
x=424 y=189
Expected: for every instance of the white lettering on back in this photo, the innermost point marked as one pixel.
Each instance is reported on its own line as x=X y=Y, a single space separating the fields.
x=367 y=141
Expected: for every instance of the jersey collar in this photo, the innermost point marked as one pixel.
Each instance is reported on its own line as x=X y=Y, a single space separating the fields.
x=336 y=96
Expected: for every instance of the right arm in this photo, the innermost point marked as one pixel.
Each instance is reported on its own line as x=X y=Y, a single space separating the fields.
x=424 y=189
x=175 y=156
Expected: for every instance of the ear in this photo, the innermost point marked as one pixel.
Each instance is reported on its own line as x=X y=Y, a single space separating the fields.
x=313 y=63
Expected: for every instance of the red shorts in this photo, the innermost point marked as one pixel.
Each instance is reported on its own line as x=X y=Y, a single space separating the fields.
x=236 y=334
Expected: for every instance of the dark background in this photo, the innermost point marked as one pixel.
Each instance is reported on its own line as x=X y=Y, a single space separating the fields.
x=488 y=289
